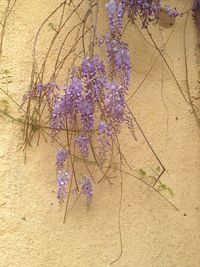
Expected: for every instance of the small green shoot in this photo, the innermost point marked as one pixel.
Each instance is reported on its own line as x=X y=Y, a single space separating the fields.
x=153 y=177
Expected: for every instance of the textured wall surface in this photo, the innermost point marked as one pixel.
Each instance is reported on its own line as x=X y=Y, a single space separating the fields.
x=153 y=233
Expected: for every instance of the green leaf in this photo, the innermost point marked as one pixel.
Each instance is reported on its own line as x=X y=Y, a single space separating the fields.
x=4 y=101
x=142 y=173
x=158 y=169
x=170 y=191
x=164 y=187
x=51 y=26
x=6 y=71
x=153 y=178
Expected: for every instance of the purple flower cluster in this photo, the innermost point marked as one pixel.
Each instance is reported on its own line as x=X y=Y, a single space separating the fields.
x=116 y=11
x=115 y=105
x=82 y=142
x=86 y=110
x=119 y=59
x=87 y=189
x=74 y=96
x=196 y=13
x=105 y=134
x=61 y=157
x=58 y=114
x=63 y=176
x=104 y=128
x=62 y=181
x=196 y=5
x=172 y=12
x=148 y=10
x=93 y=74
x=67 y=105
x=49 y=91
x=85 y=90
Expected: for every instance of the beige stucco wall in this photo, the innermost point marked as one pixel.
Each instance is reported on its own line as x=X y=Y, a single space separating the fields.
x=153 y=233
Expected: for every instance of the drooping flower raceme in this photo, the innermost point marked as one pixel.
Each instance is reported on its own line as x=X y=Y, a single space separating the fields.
x=148 y=11
x=115 y=105
x=196 y=13
x=49 y=91
x=87 y=189
x=112 y=8
x=62 y=181
x=59 y=113
x=74 y=96
x=61 y=157
x=105 y=135
x=83 y=142
x=86 y=110
x=115 y=10
x=119 y=59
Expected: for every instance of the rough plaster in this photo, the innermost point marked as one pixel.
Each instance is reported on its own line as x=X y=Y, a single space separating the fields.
x=153 y=233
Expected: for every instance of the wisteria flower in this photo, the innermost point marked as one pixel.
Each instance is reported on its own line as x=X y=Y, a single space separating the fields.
x=62 y=181
x=115 y=104
x=59 y=113
x=74 y=96
x=87 y=189
x=82 y=142
x=119 y=59
x=105 y=133
x=61 y=157
x=86 y=110
x=111 y=8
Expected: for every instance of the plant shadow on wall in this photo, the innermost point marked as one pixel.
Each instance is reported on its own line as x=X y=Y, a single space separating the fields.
x=86 y=115
x=6 y=8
